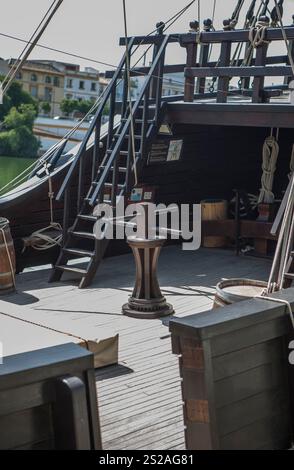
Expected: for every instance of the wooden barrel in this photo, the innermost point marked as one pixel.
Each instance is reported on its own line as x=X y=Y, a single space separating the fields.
x=7 y=258
x=214 y=209
x=236 y=290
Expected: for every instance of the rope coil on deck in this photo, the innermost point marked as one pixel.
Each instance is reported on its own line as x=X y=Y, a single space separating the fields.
x=258 y=33
x=270 y=154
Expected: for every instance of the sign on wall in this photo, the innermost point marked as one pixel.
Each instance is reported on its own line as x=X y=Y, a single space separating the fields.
x=165 y=151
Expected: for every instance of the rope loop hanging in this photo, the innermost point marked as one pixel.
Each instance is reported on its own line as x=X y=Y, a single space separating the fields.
x=257 y=34
x=270 y=154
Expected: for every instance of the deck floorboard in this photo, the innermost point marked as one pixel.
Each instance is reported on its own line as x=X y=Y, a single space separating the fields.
x=140 y=398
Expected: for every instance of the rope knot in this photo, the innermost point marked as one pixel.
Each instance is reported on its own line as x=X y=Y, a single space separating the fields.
x=257 y=34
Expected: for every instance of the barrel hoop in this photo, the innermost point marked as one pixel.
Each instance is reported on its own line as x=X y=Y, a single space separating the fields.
x=6 y=286
x=7 y=273
x=2 y=245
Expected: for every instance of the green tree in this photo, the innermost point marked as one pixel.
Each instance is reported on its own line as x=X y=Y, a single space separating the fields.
x=18 y=139
x=15 y=97
x=68 y=106
x=46 y=107
x=84 y=106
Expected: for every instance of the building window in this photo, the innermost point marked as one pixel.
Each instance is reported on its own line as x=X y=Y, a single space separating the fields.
x=34 y=77
x=56 y=81
x=19 y=75
x=34 y=91
x=93 y=99
x=68 y=96
x=48 y=94
x=82 y=85
x=47 y=79
x=93 y=86
x=69 y=83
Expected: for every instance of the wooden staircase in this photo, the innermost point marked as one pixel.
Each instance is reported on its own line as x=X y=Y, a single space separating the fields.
x=112 y=168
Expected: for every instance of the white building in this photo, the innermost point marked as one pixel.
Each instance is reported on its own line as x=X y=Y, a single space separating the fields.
x=79 y=84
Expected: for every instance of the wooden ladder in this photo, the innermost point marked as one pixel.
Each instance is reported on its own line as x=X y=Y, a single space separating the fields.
x=112 y=172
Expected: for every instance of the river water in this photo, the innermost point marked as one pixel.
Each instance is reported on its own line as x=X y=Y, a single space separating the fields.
x=10 y=167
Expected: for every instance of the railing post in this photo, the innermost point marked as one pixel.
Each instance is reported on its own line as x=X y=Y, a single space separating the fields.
x=66 y=215
x=258 y=82
x=81 y=182
x=204 y=57
x=160 y=71
x=223 y=82
x=96 y=152
x=190 y=81
x=111 y=115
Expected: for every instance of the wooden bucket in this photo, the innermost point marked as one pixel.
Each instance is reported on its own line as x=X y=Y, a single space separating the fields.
x=7 y=258
x=236 y=290
x=214 y=209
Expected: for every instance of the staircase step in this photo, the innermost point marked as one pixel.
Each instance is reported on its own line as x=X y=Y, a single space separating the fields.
x=121 y=169
x=79 y=252
x=89 y=235
x=139 y=121
x=127 y=136
x=289 y=275
x=71 y=269
x=105 y=201
x=88 y=218
x=125 y=153
x=109 y=185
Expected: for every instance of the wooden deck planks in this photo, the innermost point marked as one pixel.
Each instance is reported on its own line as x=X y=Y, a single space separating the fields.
x=140 y=399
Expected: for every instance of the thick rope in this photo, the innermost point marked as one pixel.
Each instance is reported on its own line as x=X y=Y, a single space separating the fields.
x=270 y=154
x=40 y=240
x=257 y=34
x=8 y=253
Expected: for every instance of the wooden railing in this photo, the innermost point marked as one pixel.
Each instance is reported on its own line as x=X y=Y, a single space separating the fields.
x=223 y=69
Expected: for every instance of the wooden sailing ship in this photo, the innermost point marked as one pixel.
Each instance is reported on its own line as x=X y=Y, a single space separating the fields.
x=202 y=145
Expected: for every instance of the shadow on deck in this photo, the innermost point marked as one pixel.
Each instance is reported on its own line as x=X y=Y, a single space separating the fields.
x=140 y=398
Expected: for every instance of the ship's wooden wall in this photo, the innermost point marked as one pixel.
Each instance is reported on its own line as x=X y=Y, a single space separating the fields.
x=216 y=160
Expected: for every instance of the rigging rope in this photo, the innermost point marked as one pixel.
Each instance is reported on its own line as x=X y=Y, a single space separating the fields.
x=28 y=49
x=284 y=35
x=270 y=154
x=257 y=34
x=40 y=240
x=132 y=128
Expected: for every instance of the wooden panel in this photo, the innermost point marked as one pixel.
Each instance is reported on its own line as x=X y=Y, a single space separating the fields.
x=26 y=427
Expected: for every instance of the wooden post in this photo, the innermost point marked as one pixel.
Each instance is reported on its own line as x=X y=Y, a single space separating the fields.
x=190 y=81
x=258 y=82
x=223 y=82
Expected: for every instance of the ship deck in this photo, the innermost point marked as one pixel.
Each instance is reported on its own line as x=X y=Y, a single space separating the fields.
x=140 y=398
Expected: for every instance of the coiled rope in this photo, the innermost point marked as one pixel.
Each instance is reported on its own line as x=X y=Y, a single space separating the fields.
x=270 y=154
x=40 y=240
x=257 y=34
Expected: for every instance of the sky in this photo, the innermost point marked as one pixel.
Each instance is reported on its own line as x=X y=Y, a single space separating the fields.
x=92 y=28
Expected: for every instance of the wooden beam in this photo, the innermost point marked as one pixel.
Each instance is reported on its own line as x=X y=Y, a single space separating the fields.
x=255 y=71
x=242 y=35
x=231 y=114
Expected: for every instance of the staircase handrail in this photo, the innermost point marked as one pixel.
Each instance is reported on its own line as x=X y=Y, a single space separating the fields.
x=114 y=153
x=68 y=179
